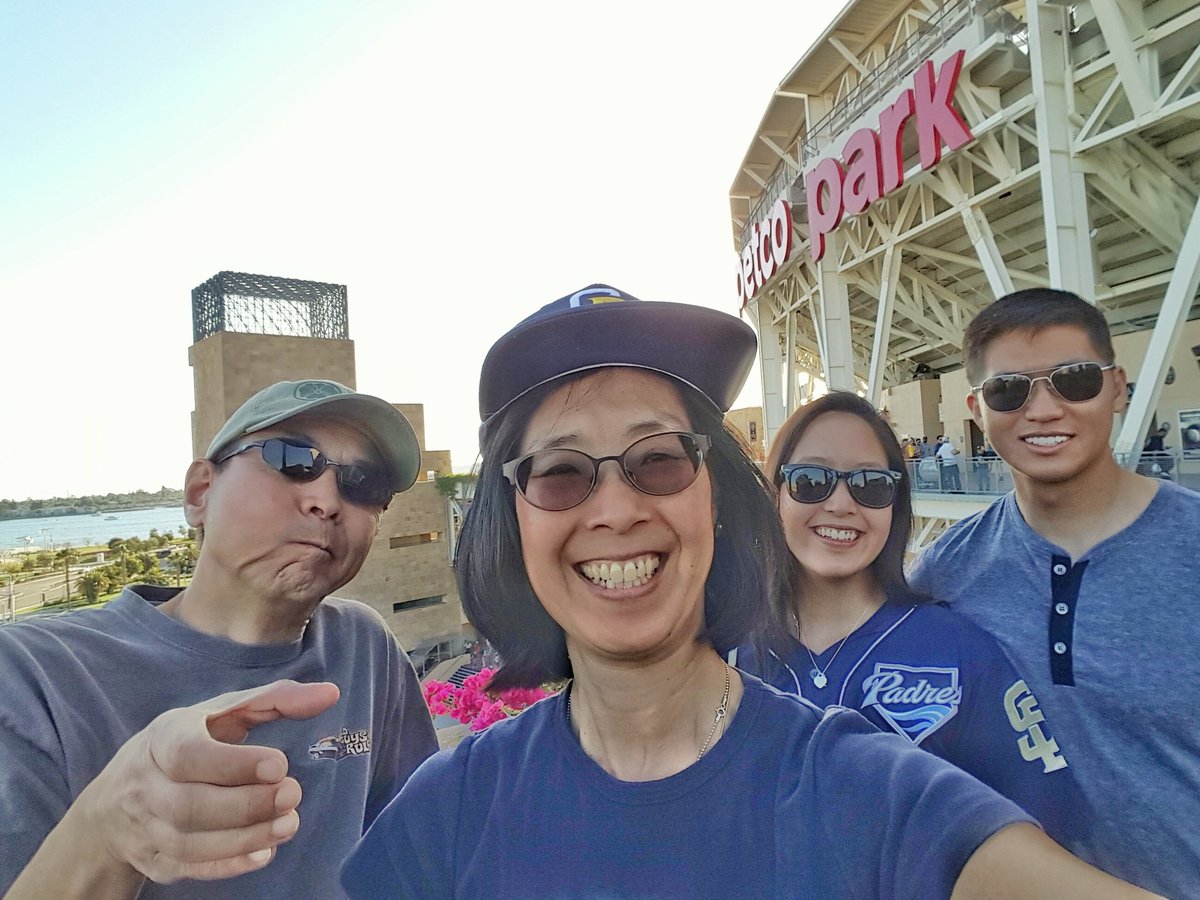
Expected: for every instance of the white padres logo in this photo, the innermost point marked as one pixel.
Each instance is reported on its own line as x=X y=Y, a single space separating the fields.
x=915 y=700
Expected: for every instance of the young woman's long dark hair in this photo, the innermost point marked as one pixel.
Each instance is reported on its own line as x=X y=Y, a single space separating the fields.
x=744 y=594
x=888 y=567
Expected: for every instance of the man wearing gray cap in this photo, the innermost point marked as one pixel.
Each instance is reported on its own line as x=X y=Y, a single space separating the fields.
x=121 y=731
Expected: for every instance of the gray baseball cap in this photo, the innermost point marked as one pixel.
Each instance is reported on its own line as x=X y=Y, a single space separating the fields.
x=387 y=428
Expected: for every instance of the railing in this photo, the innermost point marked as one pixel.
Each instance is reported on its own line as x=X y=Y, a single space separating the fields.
x=990 y=475
x=970 y=475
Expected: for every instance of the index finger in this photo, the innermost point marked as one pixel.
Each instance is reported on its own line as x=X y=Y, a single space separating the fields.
x=192 y=744
x=233 y=715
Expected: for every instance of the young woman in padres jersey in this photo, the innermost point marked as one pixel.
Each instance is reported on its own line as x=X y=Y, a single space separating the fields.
x=864 y=640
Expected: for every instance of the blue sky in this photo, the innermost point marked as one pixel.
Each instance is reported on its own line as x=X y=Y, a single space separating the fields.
x=456 y=165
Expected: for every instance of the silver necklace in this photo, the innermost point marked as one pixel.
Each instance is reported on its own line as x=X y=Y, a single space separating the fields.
x=718 y=713
x=816 y=673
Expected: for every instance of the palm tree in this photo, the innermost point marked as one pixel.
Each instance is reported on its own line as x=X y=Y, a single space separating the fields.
x=67 y=556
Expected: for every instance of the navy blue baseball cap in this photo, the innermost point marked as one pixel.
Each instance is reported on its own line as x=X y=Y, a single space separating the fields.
x=600 y=326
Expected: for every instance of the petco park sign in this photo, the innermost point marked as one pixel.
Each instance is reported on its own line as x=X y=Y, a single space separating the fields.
x=872 y=163
x=871 y=167
x=769 y=247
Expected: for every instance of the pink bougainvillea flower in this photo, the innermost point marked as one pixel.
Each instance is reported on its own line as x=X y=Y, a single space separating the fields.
x=473 y=706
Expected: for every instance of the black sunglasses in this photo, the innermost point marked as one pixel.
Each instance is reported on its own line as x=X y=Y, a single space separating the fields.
x=1075 y=383
x=810 y=483
x=363 y=485
x=658 y=465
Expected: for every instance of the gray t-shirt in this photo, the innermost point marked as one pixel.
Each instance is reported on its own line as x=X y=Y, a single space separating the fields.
x=77 y=686
x=1109 y=645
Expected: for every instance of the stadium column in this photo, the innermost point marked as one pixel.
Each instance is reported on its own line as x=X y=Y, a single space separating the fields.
x=833 y=317
x=770 y=368
x=1068 y=242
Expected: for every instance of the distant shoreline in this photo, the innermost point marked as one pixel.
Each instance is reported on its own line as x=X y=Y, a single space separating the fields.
x=31 y=515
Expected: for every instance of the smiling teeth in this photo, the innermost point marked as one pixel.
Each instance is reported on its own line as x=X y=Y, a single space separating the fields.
x=836 y=534
x=630 y=573
x=1045 y=440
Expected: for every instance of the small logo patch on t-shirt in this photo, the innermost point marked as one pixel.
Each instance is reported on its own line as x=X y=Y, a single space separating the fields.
x=344 y=743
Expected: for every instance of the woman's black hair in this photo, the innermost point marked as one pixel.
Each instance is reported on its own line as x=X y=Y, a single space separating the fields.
x=748 y=577
x=888 y=566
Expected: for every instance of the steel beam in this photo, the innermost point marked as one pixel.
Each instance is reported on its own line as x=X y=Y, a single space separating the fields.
x=888 y=279
x=1181 y=290
x=1114 y=25
x=1064 y=198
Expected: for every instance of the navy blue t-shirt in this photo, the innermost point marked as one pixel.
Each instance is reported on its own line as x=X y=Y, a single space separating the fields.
x=786 y=804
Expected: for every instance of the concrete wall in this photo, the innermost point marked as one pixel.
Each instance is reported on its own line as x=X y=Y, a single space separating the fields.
x=410 y=560
x=228 y=367
x=914 y=408
x=955 y=417
x=748 y=422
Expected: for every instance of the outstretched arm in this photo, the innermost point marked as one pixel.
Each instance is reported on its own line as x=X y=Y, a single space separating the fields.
x=1020 y=861
x=183 y=798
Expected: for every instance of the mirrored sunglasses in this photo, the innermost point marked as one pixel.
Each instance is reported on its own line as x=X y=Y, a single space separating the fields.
x=1075 y=383
x=363 y=485
x=658 y=465
x=809 y=483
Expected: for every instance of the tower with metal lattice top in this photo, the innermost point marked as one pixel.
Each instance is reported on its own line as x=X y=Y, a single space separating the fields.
x=250 y=331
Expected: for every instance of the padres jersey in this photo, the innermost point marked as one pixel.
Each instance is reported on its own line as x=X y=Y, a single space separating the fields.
x=929 y=674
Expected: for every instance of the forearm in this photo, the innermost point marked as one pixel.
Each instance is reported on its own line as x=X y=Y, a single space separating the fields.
x=1020 y=861
x=74 y=863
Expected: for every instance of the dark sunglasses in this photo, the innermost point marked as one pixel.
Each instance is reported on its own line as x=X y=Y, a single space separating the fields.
x=1075 y=383
x=363 y=485
x=658 y=465
x=809 y=483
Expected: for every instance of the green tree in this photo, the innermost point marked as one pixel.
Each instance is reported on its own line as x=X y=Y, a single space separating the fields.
x=64 y=558
x=91 y=585
x=120 y=546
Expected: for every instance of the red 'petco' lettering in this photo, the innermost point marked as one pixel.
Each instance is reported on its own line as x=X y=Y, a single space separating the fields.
x=872 y=163
x=769 y=247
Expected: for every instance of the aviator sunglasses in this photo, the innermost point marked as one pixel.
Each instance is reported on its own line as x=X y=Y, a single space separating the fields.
x=810 y=483
x=658 y=465
x=1074 y=382
x=361 y=484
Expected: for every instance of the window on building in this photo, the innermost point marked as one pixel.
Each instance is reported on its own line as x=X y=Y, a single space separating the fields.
x=753 y=431
x=420 y=603
x=412 y=540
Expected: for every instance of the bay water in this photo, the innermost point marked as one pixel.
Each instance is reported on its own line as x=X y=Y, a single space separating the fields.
x=87 y=530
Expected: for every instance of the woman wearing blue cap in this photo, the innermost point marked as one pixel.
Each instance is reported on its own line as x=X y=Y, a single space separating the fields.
x=620 y=536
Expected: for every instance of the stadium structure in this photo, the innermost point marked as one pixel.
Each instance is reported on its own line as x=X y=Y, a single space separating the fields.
x=923 y=158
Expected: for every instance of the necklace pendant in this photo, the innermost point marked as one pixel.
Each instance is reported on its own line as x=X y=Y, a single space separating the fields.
x=818 y=678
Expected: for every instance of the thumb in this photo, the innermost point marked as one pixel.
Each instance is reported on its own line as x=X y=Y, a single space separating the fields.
x=239 y=712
